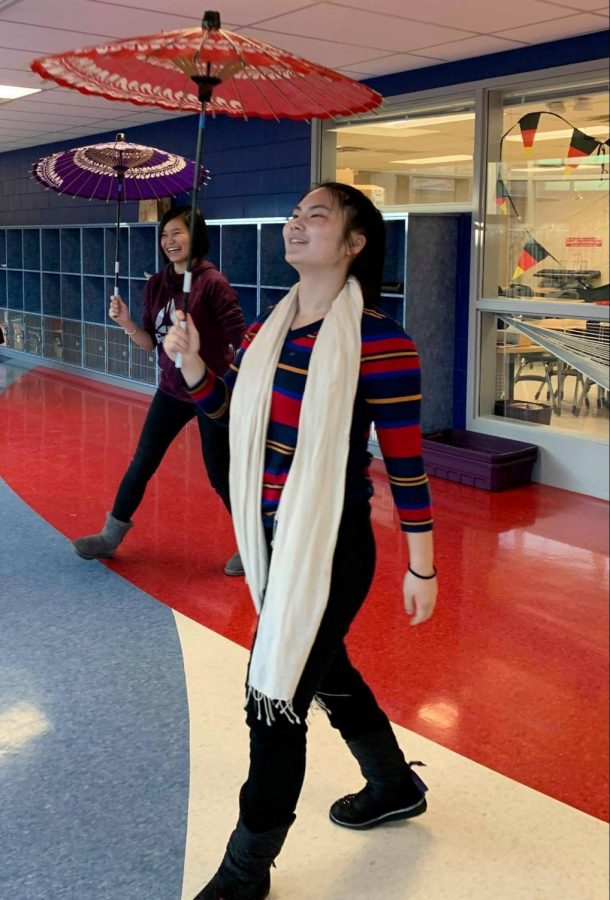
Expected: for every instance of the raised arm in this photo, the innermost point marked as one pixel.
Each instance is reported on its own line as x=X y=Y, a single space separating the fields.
x=211 y=392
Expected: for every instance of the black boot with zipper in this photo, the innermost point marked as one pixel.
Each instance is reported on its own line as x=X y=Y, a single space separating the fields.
x=244 y=873
x=393 y=790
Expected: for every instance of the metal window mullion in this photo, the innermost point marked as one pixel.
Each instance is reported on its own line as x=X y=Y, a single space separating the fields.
x=481 y=356
x=259 y=266
x=405 y=273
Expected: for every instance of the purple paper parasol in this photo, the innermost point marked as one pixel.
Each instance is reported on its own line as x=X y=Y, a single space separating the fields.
x=117 y=171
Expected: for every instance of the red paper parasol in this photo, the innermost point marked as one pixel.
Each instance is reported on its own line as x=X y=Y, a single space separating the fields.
x=246 y=77
x=195 y=68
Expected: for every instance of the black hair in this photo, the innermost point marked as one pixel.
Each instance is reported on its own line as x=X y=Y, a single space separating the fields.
x=201 y=238
x=363 y=217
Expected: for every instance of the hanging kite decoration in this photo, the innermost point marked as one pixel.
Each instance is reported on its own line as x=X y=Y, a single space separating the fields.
x=529 y=126
x=581 y=146
x=532 y=253
x=503 y=198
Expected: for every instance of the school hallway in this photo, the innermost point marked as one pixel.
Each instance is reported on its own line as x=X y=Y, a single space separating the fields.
x=122 y=735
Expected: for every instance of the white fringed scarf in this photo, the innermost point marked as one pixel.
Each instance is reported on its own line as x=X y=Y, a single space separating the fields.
x=296 y=585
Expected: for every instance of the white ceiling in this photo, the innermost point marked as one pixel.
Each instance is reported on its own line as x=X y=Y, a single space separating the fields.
x=345 y=35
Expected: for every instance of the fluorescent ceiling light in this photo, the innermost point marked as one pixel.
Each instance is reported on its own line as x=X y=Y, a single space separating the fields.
x=561 y=133
x=11 y=92
x=407 y=122
x=543 y=165
x=583 y=104
x=429 y=160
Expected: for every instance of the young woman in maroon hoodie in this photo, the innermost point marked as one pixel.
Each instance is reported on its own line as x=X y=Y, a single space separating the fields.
x=215 y=309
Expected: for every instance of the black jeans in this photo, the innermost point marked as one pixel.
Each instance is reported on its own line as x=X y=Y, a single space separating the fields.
x=277 y=751
x=166 y=418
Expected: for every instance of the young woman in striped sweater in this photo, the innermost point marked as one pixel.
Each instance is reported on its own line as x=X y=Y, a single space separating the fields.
x=311 y=377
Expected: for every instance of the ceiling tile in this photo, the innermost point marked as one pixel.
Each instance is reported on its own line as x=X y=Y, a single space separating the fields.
x=27 y=105
x=471 y=47
x=581 y=23
x=326 y=53
x=57 y=102
x=35 y=117
x=479 y=16
x=233 y=12
x=14 y=127
x=20 y=78
x=583 y=5
x=101 y=19
x=382 y=32
x=75 y=98
x=387 y=65
x=44 y=41
x=13 y=59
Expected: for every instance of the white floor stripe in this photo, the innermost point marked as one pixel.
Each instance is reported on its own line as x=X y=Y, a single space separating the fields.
x=484 y=837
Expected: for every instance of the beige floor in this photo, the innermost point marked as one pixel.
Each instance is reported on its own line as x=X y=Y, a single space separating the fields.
x=484 y=837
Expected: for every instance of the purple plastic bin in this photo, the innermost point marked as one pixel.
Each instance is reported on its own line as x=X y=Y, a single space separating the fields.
x=479 y=460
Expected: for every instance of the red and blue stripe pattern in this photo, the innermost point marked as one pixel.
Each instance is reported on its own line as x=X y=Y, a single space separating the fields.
x=388 y=396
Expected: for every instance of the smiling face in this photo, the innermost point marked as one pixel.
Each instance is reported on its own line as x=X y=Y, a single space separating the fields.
x=315 y=238
x=175 y=243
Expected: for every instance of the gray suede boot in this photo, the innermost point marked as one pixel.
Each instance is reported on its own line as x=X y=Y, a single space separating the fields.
x=104 y=544
x=234 y=565
x=392 y=791
x=244 y=873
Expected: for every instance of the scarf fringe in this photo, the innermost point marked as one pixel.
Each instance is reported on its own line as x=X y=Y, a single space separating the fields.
x=270 y=707
x=322 y=705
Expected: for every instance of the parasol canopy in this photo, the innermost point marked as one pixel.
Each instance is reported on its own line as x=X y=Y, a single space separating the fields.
x=116 y=170
x=249 y=77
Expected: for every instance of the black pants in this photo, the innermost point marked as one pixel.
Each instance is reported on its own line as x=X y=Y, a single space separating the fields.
x=165 y=420
x=277 y=751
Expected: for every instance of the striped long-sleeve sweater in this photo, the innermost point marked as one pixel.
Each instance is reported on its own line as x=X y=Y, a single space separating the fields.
x=388 y=395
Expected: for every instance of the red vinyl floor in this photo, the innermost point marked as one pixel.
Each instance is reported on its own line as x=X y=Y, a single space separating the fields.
x=512 y=671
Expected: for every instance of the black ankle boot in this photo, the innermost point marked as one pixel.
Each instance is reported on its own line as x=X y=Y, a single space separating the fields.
x=244 y=871
x=393 y=790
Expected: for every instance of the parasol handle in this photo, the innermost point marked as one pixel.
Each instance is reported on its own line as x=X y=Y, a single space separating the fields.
x=206 y=85
x=186 y=287
x=117 y=238
x=194 y=203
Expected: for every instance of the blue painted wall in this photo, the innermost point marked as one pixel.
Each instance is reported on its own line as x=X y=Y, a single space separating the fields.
x=257 y=167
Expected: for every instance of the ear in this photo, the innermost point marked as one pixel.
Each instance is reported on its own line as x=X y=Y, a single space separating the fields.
x=356 y=243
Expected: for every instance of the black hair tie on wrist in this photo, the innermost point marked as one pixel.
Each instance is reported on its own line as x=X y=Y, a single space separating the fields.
x=423 y=577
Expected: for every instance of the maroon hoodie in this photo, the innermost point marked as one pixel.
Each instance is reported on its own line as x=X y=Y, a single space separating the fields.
x=216 y=313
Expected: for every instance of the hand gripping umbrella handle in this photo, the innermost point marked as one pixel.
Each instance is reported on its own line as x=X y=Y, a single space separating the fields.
x=178 y=362
x=186 y=289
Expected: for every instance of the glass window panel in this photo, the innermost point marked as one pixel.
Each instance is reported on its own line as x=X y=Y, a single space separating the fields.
x=550 y=371
x=415 y=157
x=546 y=233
